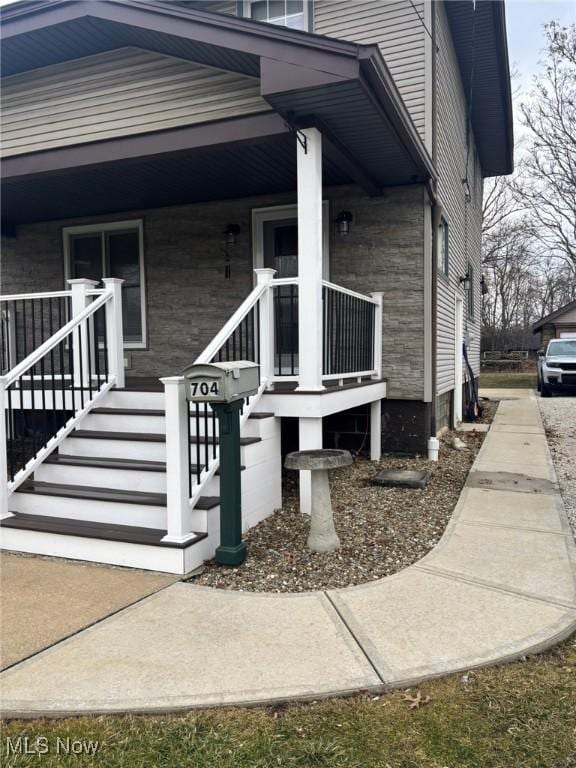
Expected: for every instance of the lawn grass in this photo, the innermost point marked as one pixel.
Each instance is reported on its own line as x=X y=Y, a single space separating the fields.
x=521 y=715
x=508 y=380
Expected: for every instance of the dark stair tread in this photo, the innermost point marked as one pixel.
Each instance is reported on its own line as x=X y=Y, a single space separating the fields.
x=126 y=534
x=103 y=462
x=148 y=437
x=160 y=412
x=107 y=494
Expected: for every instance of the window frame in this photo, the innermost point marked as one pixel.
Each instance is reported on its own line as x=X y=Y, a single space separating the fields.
x=308 y=8
x=443 y=265
x=103 y=228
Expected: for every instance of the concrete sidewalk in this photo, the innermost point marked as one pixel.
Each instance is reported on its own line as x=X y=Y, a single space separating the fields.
x=500 y=584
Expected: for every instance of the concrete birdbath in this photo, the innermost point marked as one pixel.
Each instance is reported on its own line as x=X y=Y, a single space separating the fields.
x=323 y=536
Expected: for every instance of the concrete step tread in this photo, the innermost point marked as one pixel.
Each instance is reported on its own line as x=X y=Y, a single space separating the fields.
x=148 y=437
x=126 y=534
x=106 y=494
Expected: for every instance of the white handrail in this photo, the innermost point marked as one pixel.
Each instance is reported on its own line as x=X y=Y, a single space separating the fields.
x=348 y=292
x=35 y=356
x=230 y=326
x=26 y=296
x=285 y=281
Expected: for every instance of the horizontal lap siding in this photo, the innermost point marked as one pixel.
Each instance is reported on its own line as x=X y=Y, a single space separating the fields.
x=396 y=29
x=123 y=92
x=464 y=221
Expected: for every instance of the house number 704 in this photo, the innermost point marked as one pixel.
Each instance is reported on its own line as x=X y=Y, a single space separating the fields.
x=204 y=389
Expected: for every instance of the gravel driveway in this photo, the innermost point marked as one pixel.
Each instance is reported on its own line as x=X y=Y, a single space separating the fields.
x=559 y=415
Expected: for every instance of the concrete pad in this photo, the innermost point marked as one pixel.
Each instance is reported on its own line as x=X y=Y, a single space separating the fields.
x=418 y=624
x=511 y=481
x=506 y=393
x=520 y=429
x=471 y=427
x=497 y=507
x=532 y=562
x=538 y=472
x=43 y=600
x=510 y=447
x=193 y=646
x=523 y=412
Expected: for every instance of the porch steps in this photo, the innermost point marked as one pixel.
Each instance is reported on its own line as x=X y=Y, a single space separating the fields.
x=102 y=496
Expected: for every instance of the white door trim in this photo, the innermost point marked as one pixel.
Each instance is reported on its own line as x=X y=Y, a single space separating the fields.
x=277 y=213
x=458 y=359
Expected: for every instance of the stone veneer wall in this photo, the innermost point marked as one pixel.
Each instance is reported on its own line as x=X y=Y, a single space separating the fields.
x=189 y=298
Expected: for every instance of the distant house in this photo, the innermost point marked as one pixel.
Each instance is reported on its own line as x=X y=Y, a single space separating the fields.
x=560 y=324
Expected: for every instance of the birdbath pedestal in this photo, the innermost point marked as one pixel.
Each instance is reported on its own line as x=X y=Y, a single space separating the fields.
x=323 y=536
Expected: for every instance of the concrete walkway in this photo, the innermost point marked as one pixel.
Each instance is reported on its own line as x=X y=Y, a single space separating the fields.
x=500 y=584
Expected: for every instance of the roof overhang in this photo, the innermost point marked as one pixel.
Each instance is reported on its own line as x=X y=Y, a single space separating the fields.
x=343 y=88
x=479 y=34
x=552 y=318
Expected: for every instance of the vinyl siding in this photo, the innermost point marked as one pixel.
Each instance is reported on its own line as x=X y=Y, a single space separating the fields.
x=118 y=93
x=464 y=220
x=395 y=27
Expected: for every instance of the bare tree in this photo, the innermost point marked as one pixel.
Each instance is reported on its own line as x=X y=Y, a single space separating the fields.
x=546 y=183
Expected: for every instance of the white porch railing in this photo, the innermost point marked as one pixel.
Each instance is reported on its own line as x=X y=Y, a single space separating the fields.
x=264 y=329
x=45 y=395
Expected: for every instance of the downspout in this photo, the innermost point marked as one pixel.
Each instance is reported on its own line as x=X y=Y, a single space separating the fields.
x=436 y=212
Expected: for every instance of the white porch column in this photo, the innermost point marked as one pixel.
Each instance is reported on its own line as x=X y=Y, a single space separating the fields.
x=309 y=162
x=264 y=277
x=3 y=452
x=177 y=460
x=310 y=439
x=114 y=330
x=80 y=300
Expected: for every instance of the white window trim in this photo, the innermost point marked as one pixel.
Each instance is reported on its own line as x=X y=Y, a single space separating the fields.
x=277 y=213
x=308 y=11
x=113 y=226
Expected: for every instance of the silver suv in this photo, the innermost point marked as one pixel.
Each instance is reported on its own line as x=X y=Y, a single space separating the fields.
x=557 y=367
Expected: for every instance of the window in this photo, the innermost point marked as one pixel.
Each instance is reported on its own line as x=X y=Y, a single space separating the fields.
x=112 y=250
x=470 y=291
x=295 y=14
x=443 y=257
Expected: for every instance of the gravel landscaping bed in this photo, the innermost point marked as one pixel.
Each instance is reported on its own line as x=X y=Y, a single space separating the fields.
x=382 y=530
x=559 y=416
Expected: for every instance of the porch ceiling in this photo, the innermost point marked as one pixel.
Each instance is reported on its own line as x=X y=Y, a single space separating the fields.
x=343 y=88
x=195 y=175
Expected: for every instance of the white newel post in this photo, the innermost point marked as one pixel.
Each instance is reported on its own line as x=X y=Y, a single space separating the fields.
x=266 y=331
x=177 y=460
x=376 y=407
x=80 y=300
x=3 y=452
x=309 y=168
x=114 y=330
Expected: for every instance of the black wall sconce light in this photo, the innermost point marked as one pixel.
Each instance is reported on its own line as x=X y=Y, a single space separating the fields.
x=465 y=281
x=231 y=234
x=484 y=286
x=343 y=221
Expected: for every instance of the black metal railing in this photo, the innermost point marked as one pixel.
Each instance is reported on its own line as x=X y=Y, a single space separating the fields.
x=286 y=330
x=25 y=324
x=244 y=342
x=202 y=441
x=45 y=396
x=349 y=328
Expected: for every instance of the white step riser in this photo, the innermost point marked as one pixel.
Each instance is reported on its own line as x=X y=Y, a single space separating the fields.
x=141 y=400
x=104 y=422
x=120 y=513
x=120 y=479
x=150 y=558
x=131 y=449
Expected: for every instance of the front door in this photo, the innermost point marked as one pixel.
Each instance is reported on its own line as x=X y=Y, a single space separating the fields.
x=280 y=249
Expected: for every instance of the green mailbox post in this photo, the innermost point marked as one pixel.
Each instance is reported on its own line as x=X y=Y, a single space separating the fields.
x=225 y=386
